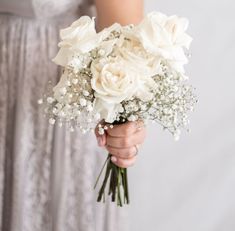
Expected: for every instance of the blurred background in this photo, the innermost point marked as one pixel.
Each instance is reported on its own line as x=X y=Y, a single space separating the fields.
x=189 y=185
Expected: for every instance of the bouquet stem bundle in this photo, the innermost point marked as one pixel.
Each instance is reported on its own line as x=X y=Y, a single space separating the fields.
x=118 y=183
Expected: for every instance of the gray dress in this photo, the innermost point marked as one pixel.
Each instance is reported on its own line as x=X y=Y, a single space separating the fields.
x=46 y=173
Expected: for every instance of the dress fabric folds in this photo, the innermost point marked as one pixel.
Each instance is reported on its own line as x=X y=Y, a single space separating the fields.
x=47 y=173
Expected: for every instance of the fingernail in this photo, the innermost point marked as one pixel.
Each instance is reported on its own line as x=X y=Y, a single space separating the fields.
x=114 y=159
x=99 y=141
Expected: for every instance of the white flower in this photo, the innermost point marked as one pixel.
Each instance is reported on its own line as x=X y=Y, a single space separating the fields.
x=60 y=88
x=63 y=90
x=40 y=101
x=144 y=66
x=80 y=37
x=52 y=121
x=93 y=40
x=89 y=108
x=50 y=99
x=105 y=33
x=134 y=53
x=75 y=81
x=177 y=26
x=146 y=84
x=85 y=93
x=165 y=36
x=132 y=118
x=76 y=64
x=107 y=111
x=159 y=31
x=113 y=80
x=83 y=102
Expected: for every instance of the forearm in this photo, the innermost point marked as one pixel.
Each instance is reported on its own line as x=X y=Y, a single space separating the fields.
x=121 y=11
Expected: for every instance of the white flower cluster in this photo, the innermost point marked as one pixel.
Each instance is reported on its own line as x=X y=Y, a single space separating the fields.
x=123 y=73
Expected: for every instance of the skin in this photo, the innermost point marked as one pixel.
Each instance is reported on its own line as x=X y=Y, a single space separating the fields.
x=121 y=11
x=122 y=141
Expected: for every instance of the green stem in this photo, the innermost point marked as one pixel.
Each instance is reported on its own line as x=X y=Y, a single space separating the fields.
x=119 y=202
x=101 y=171
x=126 y=187
x=114 y=183
x=118 y=181
x=102 y=192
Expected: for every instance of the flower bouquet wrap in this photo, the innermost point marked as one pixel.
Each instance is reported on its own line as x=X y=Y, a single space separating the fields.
x=122 y=73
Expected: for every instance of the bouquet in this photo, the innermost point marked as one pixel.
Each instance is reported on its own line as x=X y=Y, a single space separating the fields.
x=122 y=73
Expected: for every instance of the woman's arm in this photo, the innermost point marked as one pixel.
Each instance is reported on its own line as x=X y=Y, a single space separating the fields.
x=121 y=11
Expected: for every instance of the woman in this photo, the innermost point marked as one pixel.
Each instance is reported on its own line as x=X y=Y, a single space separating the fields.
x=47 y=173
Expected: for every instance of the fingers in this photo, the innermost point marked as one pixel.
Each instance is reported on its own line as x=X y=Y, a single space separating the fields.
x=127 y=141
x=126 y=129
x=123 y=163
x=120 y=141
x=124 y=153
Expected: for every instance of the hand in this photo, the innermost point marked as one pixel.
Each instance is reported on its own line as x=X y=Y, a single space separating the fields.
x=122 y=141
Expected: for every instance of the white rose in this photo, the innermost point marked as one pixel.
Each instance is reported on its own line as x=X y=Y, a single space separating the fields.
x=164 y=36
x=106 y=32
x=159 y=31
x=177 y=26
x=146 y=84
x=80 y=37
x=133 y=52
x=144 y=65
x=113 y=80
x=96 y=39
x=106 y=41
x=107 y=111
